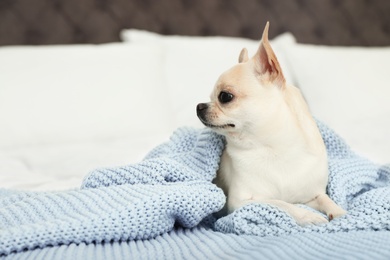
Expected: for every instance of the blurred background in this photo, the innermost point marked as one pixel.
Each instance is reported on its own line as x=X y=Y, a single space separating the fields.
x=330 y=22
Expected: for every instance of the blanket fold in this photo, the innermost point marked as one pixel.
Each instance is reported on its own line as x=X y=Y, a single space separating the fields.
x=190 y=154
x=173 y=185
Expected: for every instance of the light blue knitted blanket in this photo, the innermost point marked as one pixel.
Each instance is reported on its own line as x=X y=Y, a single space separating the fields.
x=172 y=187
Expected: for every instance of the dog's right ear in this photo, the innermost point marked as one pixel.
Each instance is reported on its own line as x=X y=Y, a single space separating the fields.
x=243 y=56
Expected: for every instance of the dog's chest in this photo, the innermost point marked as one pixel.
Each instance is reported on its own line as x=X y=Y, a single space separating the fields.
x=294 y=176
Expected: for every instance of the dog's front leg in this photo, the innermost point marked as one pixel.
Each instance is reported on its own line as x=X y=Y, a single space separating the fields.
x=302 y=216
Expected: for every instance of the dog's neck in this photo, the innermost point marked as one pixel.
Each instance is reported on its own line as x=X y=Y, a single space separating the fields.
x=279 y=133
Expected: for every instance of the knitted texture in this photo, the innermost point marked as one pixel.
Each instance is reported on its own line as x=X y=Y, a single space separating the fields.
x=201 y=243
x=173 y=185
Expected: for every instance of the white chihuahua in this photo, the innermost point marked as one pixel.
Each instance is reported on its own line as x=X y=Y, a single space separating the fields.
x=274 y=153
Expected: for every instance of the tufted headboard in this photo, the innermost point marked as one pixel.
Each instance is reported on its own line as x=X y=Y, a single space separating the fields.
x=330 y=22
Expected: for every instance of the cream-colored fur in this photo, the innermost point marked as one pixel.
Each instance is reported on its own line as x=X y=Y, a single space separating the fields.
x=274 y=153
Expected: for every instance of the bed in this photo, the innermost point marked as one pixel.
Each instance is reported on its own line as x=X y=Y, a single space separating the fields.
x=102 y=155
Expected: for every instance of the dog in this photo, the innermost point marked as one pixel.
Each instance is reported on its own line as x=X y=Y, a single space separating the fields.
x=274 y=151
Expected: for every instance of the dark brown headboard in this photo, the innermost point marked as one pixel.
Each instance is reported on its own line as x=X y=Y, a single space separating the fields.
x=330 y=22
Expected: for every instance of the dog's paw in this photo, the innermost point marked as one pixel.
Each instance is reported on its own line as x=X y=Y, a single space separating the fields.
x=336 y=213
x=310 y=218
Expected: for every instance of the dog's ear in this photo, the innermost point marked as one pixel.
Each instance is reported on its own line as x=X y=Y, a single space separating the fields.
x=243 y=56
x=266 y=62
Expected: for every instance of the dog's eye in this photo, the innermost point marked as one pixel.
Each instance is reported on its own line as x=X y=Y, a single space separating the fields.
x=225 y=97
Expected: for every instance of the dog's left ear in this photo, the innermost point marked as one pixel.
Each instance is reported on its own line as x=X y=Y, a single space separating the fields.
x=266 y=62
x=243 y=56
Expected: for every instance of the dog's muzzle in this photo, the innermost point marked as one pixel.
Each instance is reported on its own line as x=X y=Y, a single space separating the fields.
x=201 y=111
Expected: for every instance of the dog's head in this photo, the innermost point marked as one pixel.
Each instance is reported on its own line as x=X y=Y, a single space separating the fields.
x=246 y=96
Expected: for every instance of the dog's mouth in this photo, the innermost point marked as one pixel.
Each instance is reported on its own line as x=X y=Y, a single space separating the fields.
x=217 y=126
x=220 y=126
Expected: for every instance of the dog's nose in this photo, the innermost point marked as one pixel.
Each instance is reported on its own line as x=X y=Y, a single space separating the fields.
x=201 y=106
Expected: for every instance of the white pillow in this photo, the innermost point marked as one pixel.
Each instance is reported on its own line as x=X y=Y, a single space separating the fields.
x=349 y=89
x=81 y=92
x=193 y=65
